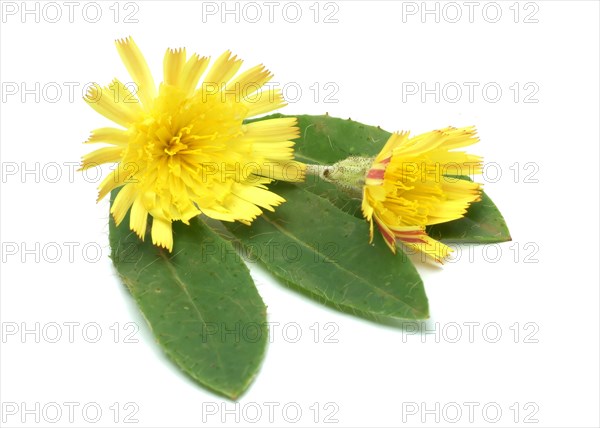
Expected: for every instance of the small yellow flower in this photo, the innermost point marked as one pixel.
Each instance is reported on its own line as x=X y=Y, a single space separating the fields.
x=184 y=149
x=409 y=186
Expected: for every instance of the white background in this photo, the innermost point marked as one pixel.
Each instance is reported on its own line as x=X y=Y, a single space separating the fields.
x=374 y=375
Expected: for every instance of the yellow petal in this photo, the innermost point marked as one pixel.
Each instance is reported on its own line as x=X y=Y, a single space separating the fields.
x=271 y=130
x=138 y=218
x=123 y=202
x=192 y=71
x=218 y=214
x=138 y=69
x=257 y=195
x=420 y=144
x=241 y=209
x=173 y=64
x=456 y=163
x=435 y=249
x=287 y=170
x=459 y=137
x=396 y=139
x=101 y=156
x=263 y=102
x=162 y=233
x=110 y=103
x=223 y=70
x=116 y=178
x=276 y=151
x=118 y=137
x=458 y=196
x=250 y=81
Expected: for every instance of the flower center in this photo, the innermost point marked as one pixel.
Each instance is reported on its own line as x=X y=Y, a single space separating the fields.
x=175 y=145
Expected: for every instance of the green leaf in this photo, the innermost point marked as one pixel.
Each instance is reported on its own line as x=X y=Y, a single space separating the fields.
x=313 y=245
x=326 y=140
x=199 y=301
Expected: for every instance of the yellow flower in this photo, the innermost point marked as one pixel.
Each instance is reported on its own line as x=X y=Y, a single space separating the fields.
x=408 y=186
x=183 y=149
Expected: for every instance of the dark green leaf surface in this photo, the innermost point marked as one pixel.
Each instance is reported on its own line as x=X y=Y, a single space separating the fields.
x=326 y=139
x=311 y=244
x=199 y=301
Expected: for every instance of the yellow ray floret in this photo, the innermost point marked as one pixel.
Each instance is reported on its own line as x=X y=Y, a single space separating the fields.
x=411 y=184
x=184 y=148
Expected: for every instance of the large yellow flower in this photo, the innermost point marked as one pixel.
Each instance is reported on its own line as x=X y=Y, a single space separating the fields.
x=409 y=185
x=183 y=149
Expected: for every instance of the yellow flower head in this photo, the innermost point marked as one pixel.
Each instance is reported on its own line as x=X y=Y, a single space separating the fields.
x=184 y=149
x=409 y=185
